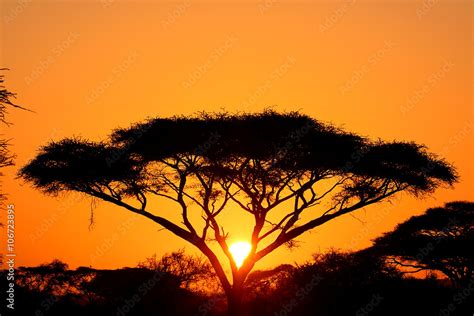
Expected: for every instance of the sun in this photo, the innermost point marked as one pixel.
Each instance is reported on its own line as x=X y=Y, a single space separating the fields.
x=240 y=251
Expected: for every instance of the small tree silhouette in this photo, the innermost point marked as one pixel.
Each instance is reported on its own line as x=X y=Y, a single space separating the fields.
x=273 y=166
x=441 y=239
x=192 y=271
x=6 y=100
x=6 y=158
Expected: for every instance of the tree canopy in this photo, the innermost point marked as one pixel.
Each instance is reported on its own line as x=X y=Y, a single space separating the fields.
x=264 y=163
x=440 y=239
x=286 y=142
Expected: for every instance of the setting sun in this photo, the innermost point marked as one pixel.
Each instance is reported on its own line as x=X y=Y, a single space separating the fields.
x=240 y=251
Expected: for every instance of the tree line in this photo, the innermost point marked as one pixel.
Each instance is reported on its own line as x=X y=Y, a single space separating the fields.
x=378 y=280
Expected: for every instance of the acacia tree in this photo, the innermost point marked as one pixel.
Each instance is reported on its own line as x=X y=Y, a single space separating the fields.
x=441 y=239
x=289 y=172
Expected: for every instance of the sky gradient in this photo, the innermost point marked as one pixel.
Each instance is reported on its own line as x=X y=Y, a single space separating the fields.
x=395 y=70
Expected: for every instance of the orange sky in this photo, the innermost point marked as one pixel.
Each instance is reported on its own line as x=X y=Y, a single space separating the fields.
x=389 y=69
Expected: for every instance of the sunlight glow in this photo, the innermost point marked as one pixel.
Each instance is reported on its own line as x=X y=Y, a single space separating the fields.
x=240 y=251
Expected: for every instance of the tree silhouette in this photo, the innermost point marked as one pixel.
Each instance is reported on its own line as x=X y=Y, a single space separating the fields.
x=193 y=272
x=274 y=166
x=441 y=239
x=6 y=100
x=54 y=289
x=353 y=283
x=6 y=158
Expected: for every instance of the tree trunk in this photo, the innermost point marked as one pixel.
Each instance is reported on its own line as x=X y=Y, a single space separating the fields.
x=234 y=302
x=235 y=295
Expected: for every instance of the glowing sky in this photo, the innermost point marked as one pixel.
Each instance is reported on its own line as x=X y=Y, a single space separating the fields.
x=389 y=69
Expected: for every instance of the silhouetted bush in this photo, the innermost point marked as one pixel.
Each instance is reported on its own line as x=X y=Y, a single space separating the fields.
x=334 y=283
x=338 y=283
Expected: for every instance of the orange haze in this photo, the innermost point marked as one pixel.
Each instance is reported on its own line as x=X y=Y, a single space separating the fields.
x=389 y=69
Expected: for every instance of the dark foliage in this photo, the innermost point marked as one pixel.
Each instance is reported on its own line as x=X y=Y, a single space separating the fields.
x=441 y=239
x=334 y=283
x=356 y=284
x=289 y=141
x=53 y=289
x=260 y=162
